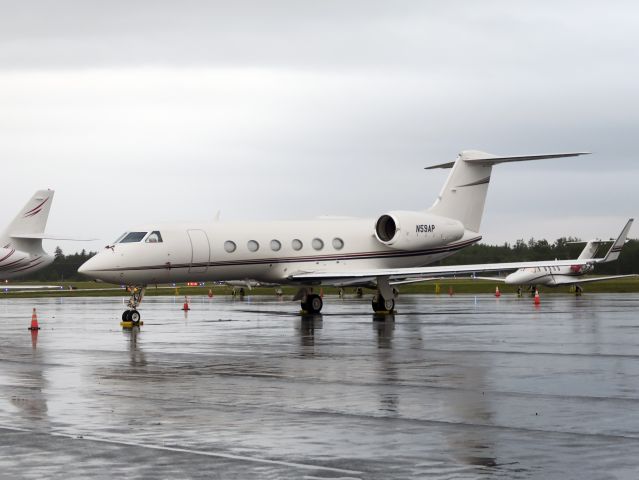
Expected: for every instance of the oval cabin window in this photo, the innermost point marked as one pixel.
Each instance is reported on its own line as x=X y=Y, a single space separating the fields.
x=252 y=245
x=297 y=244
x=229 y=246
x=276 y=245
x=338 y=243
x=317 y=243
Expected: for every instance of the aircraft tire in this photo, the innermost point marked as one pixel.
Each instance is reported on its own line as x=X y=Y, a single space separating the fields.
x=380 y=304
x=134 y=315
x=314 y=304
x=124 y=315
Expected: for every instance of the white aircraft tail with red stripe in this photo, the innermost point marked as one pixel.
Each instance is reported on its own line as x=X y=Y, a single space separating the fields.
x=26 y=230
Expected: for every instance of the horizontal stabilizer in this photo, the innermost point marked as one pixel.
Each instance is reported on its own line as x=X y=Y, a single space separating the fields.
x=475 y=157
x=47 y=236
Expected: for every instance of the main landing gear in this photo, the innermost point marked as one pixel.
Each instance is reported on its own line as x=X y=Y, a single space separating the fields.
x=132 y=316
x=382 y=305
x=313 y=303
x=309 y=301
x=384 y=299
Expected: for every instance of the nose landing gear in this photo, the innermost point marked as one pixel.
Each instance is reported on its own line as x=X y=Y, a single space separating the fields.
x=131 y=317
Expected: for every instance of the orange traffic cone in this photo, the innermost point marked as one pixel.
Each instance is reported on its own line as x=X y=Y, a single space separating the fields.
x=450 y=290
x=34 y=321
x=186 y=304
x=537 y=299
x=497 y=292
x=210 y=293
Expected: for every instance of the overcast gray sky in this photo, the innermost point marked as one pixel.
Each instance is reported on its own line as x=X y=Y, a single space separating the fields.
x=137 y=111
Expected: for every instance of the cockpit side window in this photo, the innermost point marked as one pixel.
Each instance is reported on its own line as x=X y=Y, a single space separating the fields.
x=133 y=237
x=154 y=237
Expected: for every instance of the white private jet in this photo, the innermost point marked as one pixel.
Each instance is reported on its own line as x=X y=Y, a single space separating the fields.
x=327 y=251
x=554 y=276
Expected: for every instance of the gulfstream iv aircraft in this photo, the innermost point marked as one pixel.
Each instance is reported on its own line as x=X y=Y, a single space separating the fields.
x=554 y=276
x=332 y=251
x=21 y=250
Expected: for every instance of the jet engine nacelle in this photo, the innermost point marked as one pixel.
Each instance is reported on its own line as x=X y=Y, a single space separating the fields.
x=406 y=230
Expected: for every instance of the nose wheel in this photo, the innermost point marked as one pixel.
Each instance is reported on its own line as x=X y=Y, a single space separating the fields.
x=131 y=316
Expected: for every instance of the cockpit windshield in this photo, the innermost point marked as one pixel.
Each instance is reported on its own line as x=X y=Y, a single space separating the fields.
x=132 y=237
x=120 y=237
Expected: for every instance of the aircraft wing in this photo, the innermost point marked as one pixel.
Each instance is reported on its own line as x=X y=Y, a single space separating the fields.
x=572 y=281
x=30 y=287
x=492 y=279
x=393 y=274
x=47 y=236
x=417 y=280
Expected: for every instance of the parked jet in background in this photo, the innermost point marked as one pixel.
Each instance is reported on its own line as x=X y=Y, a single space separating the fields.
x=554 y=276
x=21 y=250
x=332 y=251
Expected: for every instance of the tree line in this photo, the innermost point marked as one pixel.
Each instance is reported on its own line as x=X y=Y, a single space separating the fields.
x=65 y=267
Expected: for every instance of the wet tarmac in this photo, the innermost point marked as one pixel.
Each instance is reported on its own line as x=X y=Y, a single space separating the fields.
x=451 y=387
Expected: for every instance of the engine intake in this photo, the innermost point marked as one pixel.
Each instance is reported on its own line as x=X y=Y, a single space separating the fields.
x=386 y=228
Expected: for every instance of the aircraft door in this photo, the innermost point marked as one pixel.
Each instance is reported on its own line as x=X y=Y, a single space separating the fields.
x=200 y=251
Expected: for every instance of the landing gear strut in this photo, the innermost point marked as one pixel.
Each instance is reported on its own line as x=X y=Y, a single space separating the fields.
x=132 y=315
x=384 y=299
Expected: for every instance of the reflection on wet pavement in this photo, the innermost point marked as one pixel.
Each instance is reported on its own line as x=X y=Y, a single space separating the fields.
x=449 y=387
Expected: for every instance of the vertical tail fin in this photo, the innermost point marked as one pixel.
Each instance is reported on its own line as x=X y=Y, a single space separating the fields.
x=464 y=193
x=31 y=220
x=615 y=249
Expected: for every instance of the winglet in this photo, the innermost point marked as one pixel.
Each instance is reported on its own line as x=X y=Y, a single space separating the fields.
x=615 y=249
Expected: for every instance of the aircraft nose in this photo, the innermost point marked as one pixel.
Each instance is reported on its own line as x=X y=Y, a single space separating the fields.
x=88 y=268
x=84 y=268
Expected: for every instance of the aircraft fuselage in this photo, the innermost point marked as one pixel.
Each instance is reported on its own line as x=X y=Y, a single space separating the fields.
x=550 y=276
x=264 y=251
